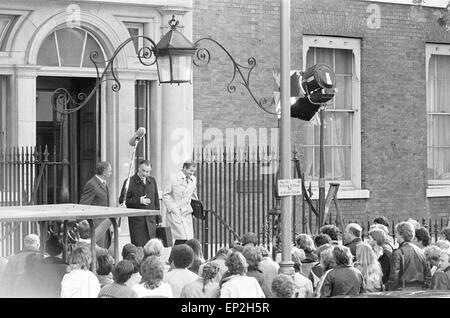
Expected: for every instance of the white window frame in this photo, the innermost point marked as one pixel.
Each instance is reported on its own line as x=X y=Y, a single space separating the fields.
x=436 y=188
x=353 y=187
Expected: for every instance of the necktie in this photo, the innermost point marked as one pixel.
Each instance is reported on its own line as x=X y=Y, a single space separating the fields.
x=144 y=180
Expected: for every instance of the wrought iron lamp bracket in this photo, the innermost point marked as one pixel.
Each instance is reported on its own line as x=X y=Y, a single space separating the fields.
x=202 y=58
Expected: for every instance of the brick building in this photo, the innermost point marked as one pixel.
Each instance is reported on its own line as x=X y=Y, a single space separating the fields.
x=385 y=137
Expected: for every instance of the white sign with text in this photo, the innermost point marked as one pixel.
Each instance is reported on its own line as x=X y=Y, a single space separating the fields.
x=287 y=187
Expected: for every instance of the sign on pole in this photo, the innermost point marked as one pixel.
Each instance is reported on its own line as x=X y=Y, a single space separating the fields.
x=288 y=187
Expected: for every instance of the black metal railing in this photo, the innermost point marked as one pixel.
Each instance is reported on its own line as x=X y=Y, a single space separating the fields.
x=28 y=175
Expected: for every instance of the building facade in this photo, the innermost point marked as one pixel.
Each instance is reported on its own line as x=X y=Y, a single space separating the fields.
x=386 y=140
x=46 y=45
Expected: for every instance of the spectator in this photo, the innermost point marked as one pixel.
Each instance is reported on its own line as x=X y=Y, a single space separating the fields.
x=321 y=239
x=303 y=286
x=136 y=276
x=253 y=257
x=24 y=287
x=180 y=258
x=317 y=270
x=47 y=275
x=378 y=237
x=332 y=231
x=79 y=282
x=382 y=220
x=343 y=279
x=370 y=268
x=152 y=284
x=389 y=240
x=445 y=234
x=15 y=268
x=235 y=283
x=441 y=278
x=443 y=245
x=409 y=269
x=154 y=247
x=422 y=238
x=249 y=238
x=198 y=255
x=327 y=263
x=127 y=249
x=305 y=243
x=220 y=258
x=205 y=286
x=352 y=237
x=415 y=223
x=283 y=286
x=432 y=255
x=118 y=288
x=269 y=269
x=84 y=231
x=105 y=264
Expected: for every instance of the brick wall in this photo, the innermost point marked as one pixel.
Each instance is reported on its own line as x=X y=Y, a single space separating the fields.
x=393 y=86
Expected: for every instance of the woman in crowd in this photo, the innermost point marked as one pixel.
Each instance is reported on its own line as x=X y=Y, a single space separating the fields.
x=343 y=279
x=136 y=276
x=306 y=243
x=198 y=255
x=235 y=283
x=154 y=247
x=432 y=256
x=205 y=286
x=441 y=278
x=327 y=263
x=283 y=286
x=370 y=268
x=80 y=282
x=105 y=264
x=377 y=239
x=152 y=284
x=118 y=288
x=220 y=259
x=303 y=286
x=253 y=257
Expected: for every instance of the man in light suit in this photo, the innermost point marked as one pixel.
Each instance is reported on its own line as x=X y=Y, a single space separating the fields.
x=178 y=192
x=96 y=192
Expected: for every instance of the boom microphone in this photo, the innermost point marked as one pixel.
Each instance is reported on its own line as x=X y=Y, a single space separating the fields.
x=137 y=136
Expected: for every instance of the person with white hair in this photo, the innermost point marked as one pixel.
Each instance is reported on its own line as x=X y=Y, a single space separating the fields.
x=352 y=237
x=15 y=267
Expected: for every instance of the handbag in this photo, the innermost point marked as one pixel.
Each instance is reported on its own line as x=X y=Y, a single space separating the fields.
x=165 y=235
x=197 y=209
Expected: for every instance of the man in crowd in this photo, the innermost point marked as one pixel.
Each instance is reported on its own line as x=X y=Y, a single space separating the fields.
x=352 y=237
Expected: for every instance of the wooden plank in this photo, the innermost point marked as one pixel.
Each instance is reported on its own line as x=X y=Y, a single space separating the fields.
x=62 y=212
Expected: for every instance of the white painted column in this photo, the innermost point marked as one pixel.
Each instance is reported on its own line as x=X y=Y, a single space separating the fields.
x=21 y=113
x=120 y=127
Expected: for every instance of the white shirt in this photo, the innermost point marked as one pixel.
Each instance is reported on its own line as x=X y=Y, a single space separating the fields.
x=241 y=286
x=164 y=290
x=177 y=278
x=80 y=283
x=101 y=180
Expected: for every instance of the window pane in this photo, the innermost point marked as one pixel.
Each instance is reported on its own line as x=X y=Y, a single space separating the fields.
x=325 y=56
x=442 y=130
x=309 y=164
x=5 y=25
x=70 y=44
x=442 y=66
x=442 y=96
x=91 y=46
x=47 y=53
x=342 y=163
x=310 y=57
x=344 y=62
x=442 y=163
x=343 y=96
x=134 y=32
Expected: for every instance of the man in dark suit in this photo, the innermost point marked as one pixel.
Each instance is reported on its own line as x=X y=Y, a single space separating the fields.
x=96 y=192
x=142 y=194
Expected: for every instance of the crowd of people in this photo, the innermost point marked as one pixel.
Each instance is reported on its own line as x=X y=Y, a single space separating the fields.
x=328 y=264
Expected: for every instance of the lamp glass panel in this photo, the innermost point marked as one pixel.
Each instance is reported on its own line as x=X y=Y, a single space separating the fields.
x=181 y=67
x=164 y=68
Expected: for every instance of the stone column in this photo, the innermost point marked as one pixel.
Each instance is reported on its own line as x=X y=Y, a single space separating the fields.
x=21 y=113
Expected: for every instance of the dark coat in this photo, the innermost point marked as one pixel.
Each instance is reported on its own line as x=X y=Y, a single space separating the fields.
x=142 y=228
x=352 y=245
x=343 y=280
x=408 y=266
x=46 y=277
x=95 y=193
